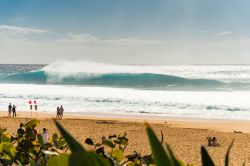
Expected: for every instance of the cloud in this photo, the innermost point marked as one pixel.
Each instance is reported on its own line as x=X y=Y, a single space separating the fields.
x=79 y=39
x=17 y=34
x=21 y=30
x=224 y=51
x=204 y=31
x=223 y=33
x=90 y=39
x=24 y=46
x=132 y=41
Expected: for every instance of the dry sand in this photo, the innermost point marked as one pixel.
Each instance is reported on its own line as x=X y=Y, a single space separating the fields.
x=184 y=135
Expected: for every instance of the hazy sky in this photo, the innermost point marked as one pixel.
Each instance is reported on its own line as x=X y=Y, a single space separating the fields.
x=125 y=31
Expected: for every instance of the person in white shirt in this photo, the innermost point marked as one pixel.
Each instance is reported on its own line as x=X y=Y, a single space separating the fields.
x=45 y=136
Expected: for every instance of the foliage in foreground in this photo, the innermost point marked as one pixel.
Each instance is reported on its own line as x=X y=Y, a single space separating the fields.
x=29 y=149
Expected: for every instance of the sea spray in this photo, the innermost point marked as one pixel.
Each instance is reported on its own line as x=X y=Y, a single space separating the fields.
x=143 y=77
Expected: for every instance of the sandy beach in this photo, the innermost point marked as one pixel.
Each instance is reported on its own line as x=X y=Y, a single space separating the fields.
x=184 y=135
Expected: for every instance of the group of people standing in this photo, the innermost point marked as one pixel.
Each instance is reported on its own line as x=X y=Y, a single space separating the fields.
x=59 y=112
x=12 y=109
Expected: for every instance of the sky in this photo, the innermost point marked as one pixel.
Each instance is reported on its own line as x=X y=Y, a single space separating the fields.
x=158 y=32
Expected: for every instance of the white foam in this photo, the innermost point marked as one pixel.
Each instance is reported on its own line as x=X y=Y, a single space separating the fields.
x=211 y=104
x=228 y=73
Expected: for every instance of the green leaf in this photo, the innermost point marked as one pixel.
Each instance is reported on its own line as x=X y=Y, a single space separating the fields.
x=117 y=154
x=40 y=139
x=8 y=150
x=23 y=158
x=55 y=136
x=206 y=159
x=123 y=140
x=227 y=155
x=175 y=161
x=147 y=159
x=73 y=144
x=191 y=164
x=87 y=159
x=58 y=142
x=159 y=154
x=6 y=138
x=33 y=123
x=2 y=130
x=61 y=160
x=109 y=143
x=55 y=139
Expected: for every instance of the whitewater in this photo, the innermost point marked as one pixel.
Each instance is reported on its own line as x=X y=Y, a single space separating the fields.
x=187 y=91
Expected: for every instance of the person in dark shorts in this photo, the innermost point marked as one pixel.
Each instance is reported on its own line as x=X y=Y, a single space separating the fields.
x=14 y=110
x=57 y=113
x=10 y=109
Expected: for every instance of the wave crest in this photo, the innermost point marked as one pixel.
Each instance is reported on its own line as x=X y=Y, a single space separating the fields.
x=88 y=73
x=142 y=80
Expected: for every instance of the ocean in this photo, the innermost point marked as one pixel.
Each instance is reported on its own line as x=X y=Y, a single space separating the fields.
x=186 y=91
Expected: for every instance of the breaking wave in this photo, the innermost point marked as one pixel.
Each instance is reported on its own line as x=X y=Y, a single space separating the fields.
x=93 y=74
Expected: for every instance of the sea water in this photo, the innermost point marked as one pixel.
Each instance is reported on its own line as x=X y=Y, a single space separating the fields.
x=190 y=91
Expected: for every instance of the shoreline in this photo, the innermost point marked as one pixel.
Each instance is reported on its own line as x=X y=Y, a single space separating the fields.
x=224 y=125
